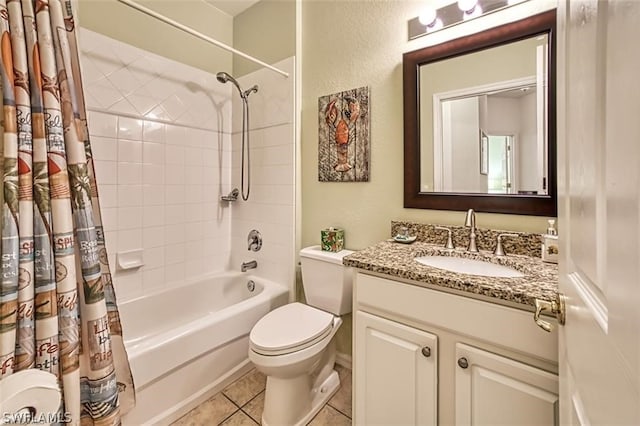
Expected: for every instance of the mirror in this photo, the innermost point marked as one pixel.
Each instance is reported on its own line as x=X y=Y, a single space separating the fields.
x=480 y=121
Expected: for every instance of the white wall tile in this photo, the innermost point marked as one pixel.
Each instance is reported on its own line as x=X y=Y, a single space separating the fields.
x=153 y=173
x=129 y=173
x=152 y=216
x=154 y=257
x=129 y=217
x=104 y=149
x=174 y=194
x=153 y=153
x=129 y=128
x=160 y=181
x=108 y=195
x=129 y=151
x=174 y=214
x=176 y=253
x=152 y=195
x=129 y=195
x=153 y=131
x=175 y=233
x=130 y=239
x=100 y=124
x=174 y=174
x=174 y=154
x=106 y=172
x=153 y=237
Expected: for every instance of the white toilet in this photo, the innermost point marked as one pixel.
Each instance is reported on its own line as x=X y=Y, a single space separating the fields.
x=293 y=344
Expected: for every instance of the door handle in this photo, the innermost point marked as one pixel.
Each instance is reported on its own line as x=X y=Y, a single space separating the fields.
x=556 y=307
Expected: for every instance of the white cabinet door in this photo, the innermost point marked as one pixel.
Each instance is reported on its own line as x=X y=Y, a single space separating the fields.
x=494 y=390
x=395 y=373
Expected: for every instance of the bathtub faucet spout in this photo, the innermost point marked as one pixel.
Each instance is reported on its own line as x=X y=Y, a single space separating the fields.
x=248 y=265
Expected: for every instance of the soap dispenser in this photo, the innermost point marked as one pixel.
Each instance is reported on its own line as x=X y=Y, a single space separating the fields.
x=550 y=243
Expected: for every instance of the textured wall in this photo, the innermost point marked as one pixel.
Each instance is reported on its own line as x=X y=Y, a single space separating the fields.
x=349 y=44
x=267 y=31
x=125 y=24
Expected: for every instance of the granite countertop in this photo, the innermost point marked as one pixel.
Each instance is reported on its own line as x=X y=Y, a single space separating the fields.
x=397 y=260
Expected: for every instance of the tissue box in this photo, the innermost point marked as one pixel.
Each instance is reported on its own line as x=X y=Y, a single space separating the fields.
x=332 y=239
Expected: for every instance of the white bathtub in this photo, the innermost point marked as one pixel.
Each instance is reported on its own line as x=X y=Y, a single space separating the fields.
x=187 y=343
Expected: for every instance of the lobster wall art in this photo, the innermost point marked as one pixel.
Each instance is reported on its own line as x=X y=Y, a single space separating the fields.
x=343 y=136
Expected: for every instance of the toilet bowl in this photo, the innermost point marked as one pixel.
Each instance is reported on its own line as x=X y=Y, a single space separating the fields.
x=293 y=345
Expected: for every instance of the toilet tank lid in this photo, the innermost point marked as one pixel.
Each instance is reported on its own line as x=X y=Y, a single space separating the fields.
x=315 y=252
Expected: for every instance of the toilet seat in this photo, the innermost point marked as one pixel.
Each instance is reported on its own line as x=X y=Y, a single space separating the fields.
x=290 y=328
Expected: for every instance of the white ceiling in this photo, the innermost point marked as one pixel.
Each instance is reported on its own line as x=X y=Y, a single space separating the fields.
x=232 y=7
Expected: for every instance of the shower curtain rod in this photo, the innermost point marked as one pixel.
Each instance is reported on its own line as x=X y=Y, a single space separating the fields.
x=201 y=36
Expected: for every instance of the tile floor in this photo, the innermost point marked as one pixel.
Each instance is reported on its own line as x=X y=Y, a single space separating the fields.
x=241 y=404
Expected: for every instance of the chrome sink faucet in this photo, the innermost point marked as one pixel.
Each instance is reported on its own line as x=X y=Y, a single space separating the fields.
x=248 y=265
x=470 y=222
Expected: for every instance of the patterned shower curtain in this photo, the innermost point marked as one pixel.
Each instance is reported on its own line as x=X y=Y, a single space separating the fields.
x=58 y=310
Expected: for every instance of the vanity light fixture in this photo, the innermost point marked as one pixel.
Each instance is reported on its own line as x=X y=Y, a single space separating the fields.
x=431 y=20
x=467 y=5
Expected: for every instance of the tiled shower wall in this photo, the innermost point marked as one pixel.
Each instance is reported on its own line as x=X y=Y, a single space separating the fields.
x=161 y=136
x=271 y=205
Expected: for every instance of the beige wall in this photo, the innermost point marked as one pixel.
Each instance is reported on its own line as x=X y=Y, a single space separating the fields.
x=347 y=44
x=267 y=31
x=123 y=23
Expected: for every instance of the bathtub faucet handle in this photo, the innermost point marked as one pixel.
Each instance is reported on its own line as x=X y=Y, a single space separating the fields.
x=254 y=240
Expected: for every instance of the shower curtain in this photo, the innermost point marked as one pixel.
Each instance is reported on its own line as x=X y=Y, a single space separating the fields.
x=58 y=310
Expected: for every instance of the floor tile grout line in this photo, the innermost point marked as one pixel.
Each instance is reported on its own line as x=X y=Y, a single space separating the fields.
x=248 y=402
x=339 y=410
x=231 y=400
x=249 y=415
x=229 y=416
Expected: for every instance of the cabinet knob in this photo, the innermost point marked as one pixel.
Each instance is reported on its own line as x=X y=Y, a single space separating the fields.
x=426 y=351
x=463 y=363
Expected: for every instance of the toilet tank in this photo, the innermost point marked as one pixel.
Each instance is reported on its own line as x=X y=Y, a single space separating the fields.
x=327 y=283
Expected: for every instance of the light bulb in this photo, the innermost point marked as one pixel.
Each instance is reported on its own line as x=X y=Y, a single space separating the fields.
x=427 y=15
x=466 y=5
x=436 y=25
x=474 y=13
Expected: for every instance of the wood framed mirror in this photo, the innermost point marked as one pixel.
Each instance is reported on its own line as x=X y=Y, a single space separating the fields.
x=480 y=121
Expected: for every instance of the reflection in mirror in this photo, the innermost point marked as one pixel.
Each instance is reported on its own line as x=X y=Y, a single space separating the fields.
x=499 y=93
x=479 y=116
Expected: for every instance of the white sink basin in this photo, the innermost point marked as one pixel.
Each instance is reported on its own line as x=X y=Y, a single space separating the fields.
x=469 y=266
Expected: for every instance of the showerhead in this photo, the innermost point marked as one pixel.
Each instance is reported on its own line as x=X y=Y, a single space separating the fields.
x=251 y=90
x=224 y=77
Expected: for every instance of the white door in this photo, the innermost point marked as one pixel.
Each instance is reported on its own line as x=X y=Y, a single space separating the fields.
x=495 y=390
x=395 y=377
x=599 y=200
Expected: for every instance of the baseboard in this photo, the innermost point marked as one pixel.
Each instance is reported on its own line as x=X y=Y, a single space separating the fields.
x=343 y=360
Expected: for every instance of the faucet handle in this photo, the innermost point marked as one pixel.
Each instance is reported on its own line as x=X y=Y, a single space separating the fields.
x=499 y=251
x=254 y=240
x=449 y=244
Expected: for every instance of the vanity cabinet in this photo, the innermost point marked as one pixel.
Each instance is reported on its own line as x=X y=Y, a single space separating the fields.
x=426 y=357
x=491 y=389
x=399 y=375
